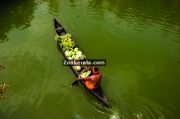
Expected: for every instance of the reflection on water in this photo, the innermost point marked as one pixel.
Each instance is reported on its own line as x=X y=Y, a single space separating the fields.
x=15 y=13
x=31 y=80
x=165 y=13
x=160 y=16
x=53 y=6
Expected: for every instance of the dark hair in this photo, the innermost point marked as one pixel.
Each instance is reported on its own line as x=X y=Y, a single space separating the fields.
x=96 y=69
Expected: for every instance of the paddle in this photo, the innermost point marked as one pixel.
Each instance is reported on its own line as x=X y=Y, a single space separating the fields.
x=74 y=82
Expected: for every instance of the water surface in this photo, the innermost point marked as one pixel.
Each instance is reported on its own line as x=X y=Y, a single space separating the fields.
x=139 y=39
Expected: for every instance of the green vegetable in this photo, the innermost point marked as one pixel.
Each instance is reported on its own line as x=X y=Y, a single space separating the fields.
x=77 y=68
x=66 y=36
x=88 y=73
x=69 y=58
x=56 y=37
x=85 y=74
x=66 y=41
x=73 y=53
x=73 y=56
x=68 y=45
x=75 y=50
x=68 y=53
x=82 y=57
x=77 y=58
x=79 y=53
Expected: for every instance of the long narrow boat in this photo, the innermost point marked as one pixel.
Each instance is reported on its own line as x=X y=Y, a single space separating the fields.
x=97 y=93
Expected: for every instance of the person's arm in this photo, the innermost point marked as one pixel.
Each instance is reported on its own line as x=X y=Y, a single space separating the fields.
x=87 y=78
x=80 y=78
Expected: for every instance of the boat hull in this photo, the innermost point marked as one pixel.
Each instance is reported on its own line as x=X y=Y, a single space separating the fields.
x=97 y=93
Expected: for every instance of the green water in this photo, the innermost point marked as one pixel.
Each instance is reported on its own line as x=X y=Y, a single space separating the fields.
x=140 y=39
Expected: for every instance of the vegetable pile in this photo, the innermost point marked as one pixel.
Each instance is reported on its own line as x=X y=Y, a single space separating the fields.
x=74 y=54
x=71 y=52
x=85 y=74
x=66 y=41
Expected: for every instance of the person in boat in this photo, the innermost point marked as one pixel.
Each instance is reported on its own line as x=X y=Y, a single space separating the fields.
x=92 y=78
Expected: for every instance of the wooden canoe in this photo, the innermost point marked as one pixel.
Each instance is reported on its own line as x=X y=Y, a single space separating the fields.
x=97 y=93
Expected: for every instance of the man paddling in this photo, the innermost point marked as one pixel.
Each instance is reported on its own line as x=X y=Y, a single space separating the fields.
x=91 y=77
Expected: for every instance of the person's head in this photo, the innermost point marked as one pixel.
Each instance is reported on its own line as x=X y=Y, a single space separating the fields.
x=95 y=70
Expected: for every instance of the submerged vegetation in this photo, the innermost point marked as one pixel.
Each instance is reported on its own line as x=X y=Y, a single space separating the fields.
x=3 y=87
x=3 y=90
x=2 y=67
